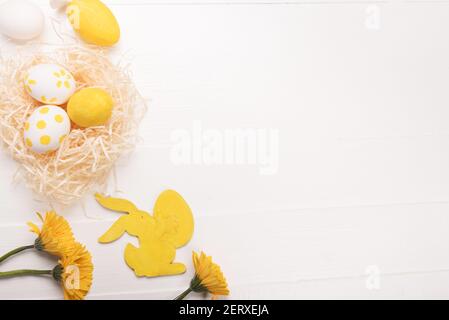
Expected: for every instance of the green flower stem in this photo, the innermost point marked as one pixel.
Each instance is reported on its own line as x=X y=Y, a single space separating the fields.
x=21 y=273
x=15 y=251
x=195 y=286
x=184 y=294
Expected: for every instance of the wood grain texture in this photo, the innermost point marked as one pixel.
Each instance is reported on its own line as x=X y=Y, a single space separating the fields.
x=360 y=106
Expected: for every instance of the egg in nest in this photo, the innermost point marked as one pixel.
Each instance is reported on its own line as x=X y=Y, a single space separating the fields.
x=50 y=84
x=46 y=128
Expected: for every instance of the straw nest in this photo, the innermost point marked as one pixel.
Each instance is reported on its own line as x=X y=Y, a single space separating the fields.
x=86 y=157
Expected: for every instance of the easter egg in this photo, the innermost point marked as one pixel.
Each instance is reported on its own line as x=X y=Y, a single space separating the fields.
x=21 y=20
x=46 y=128
x=50 y=83
x=94 y=22
x=90 y=107
x=58 y=4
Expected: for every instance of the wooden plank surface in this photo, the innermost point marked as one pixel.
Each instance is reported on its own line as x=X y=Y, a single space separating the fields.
x=348 y=173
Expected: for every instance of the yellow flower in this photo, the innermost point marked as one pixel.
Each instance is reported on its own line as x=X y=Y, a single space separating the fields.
x=208 y=276
x=74 y=272
x=55 y=237
x=74 y=269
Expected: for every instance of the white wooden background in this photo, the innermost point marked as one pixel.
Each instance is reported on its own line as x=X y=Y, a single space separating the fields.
x=359 y=94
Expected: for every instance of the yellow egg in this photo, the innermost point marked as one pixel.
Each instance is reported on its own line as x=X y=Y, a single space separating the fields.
x=90 y=107
x=94 y=22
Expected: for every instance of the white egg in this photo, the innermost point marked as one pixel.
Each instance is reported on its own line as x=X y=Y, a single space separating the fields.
x=21 y=19
x=58 y=4
x=46 y=128
x=50 y=83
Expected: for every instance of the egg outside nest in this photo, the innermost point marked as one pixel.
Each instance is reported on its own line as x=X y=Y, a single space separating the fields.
x=21 y=20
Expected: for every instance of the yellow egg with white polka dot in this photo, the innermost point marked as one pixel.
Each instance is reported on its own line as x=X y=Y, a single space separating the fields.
x=46 y=129
x=50 y=84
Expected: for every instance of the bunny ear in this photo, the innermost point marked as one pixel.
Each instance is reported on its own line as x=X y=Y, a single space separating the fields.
x=114 y=232
x=116 y=204
x=58 y=4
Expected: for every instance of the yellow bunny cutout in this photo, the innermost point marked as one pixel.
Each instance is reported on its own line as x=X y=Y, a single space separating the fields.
x=170 y=227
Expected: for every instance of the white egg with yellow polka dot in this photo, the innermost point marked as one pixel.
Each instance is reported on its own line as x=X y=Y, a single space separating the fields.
x=50 y=83
x=46 y=129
